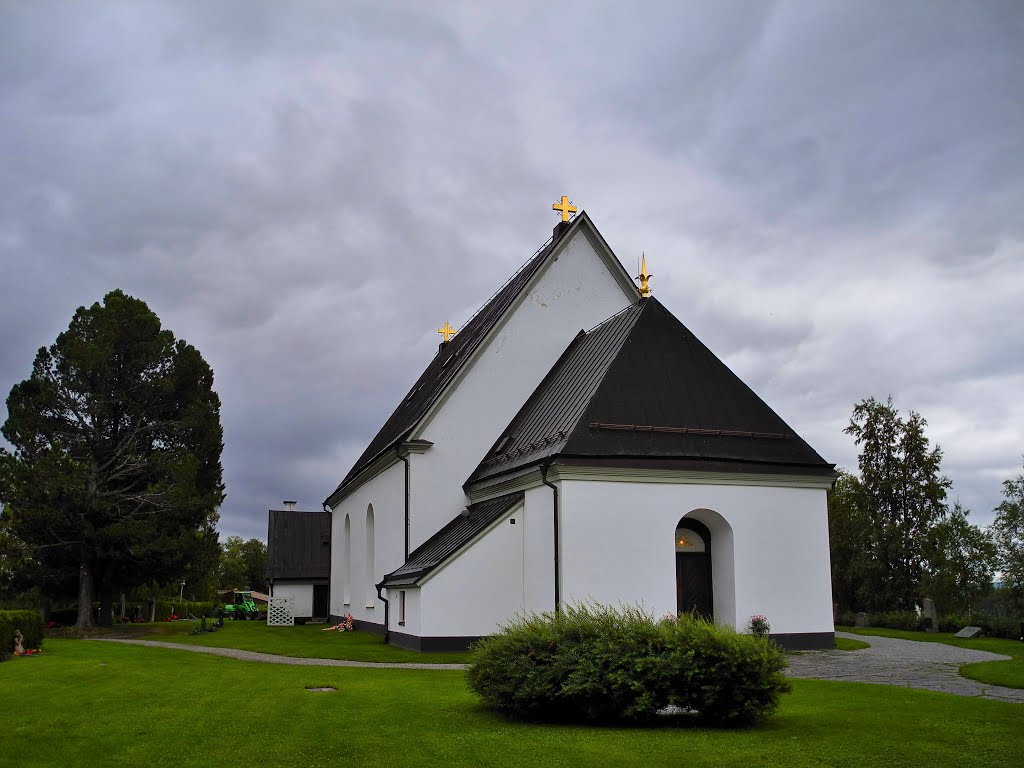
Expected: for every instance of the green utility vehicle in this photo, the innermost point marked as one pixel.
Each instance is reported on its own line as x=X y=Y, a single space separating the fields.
x=244 y=607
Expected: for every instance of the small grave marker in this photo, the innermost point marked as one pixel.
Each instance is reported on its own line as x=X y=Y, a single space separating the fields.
x=969 y=632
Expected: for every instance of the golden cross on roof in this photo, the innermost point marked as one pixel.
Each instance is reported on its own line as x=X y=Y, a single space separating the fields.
x=644 y=278
x=447 y=331
x=565 y=207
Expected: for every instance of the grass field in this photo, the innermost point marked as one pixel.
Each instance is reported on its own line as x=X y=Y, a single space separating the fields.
x=1006 y=673
x=845 y=644
x=309 y=641
x=87 y=703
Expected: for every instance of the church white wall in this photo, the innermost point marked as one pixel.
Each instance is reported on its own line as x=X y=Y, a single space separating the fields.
x=617 y=547
x=575 y=293
x=303 y=594
x=479 y=589
x=386 y=492
x=538 y=543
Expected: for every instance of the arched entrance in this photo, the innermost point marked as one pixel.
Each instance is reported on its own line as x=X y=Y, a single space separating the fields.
x=694 y=591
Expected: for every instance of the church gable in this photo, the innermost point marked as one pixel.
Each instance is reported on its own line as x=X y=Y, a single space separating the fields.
x=456 y=356
x=641 y=386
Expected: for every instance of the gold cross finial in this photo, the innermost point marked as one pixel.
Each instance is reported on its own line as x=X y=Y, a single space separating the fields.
x=644 y=278
x=564 y=207
x=447 y=331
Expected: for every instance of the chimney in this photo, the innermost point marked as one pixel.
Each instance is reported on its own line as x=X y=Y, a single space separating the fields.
x=289 y=505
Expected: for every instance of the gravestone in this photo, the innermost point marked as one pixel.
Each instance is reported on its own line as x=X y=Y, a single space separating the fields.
x=929 y=618
x=860 y=620
x=969 y=632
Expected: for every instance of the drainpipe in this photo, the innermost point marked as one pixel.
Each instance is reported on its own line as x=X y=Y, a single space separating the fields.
x=558 y=576
x=387 y=611
x=405 y=460
x=330 y=559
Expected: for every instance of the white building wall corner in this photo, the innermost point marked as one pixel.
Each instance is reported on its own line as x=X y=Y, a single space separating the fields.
x=617 y=548
x=576 y=291
x=386 y=492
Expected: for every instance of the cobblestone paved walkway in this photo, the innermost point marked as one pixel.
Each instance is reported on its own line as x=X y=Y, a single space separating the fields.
x=907 y=663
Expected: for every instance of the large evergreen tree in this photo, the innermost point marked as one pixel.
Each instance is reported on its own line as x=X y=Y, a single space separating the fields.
x=117 y=444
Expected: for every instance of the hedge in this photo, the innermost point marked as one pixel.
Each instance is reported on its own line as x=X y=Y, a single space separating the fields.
x=992 y=624
x=601 y=664
x=29 y=622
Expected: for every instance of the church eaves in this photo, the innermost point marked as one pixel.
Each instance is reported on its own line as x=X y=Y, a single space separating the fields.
x=641 y=389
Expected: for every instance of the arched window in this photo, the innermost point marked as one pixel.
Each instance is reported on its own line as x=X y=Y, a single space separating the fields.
x=346 y=586
x=370 y=592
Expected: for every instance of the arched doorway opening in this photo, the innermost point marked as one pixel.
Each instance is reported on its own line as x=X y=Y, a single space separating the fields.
x=694 y=588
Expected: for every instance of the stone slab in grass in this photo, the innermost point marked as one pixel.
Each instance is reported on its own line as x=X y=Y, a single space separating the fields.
x=969 y=632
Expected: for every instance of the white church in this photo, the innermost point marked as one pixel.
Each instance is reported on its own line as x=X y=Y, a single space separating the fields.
x=575 y=442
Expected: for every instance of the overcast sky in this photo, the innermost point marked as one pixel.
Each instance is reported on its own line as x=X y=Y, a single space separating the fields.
x=829 y=195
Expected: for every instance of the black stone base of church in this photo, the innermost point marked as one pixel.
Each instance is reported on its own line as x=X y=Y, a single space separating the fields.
x=805 y=641
x=432 y=644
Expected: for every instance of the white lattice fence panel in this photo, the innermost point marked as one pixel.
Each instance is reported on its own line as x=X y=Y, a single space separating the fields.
x=281 y=612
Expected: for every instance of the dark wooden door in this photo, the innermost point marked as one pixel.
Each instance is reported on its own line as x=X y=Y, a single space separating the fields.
x=693 y=584
x=320 y=600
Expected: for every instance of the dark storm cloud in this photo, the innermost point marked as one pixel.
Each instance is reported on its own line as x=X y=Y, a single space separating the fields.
x=829 y=195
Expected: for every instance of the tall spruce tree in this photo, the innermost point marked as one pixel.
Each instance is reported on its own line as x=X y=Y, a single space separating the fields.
x=902 y=496
x=117 y=443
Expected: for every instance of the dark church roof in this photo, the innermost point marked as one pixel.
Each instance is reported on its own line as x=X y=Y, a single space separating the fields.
x=298 y=545
x=641 y=386
x=447 y=363
x=450 y=539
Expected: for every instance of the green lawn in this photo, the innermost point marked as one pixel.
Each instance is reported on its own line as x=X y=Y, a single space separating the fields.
x=1009 y=674
x=845 y=644
x=309 y=641
x=89 y=704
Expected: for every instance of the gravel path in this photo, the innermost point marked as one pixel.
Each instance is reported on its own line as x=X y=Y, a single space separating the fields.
x=907 y=663
x=270 y=658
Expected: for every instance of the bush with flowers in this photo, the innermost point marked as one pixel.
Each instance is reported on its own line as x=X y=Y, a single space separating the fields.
x=601 y=664
x=759 y=625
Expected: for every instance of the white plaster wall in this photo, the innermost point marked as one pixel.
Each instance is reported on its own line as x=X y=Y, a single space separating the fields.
x=617 y=547
x=538 y=546
x=386 y=492
x=412 y=610
x=481 y=588
x=576 y=292
x=303 y=594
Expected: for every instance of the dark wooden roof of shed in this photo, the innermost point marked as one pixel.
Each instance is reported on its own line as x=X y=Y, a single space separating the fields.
x=298 y=545
x=450 y=539
x=641 y=385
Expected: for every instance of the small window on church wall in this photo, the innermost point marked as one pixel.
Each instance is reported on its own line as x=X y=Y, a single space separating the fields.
x=368 y=560
x=401 y=607
x=688 y=540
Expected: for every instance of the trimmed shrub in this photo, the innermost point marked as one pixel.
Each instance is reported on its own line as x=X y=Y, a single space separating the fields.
x=29 y=622
x=601 y=664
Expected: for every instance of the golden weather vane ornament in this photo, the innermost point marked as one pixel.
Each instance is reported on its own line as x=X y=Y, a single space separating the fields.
x=447 y=331
x=644 y=278
x=565 y=207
